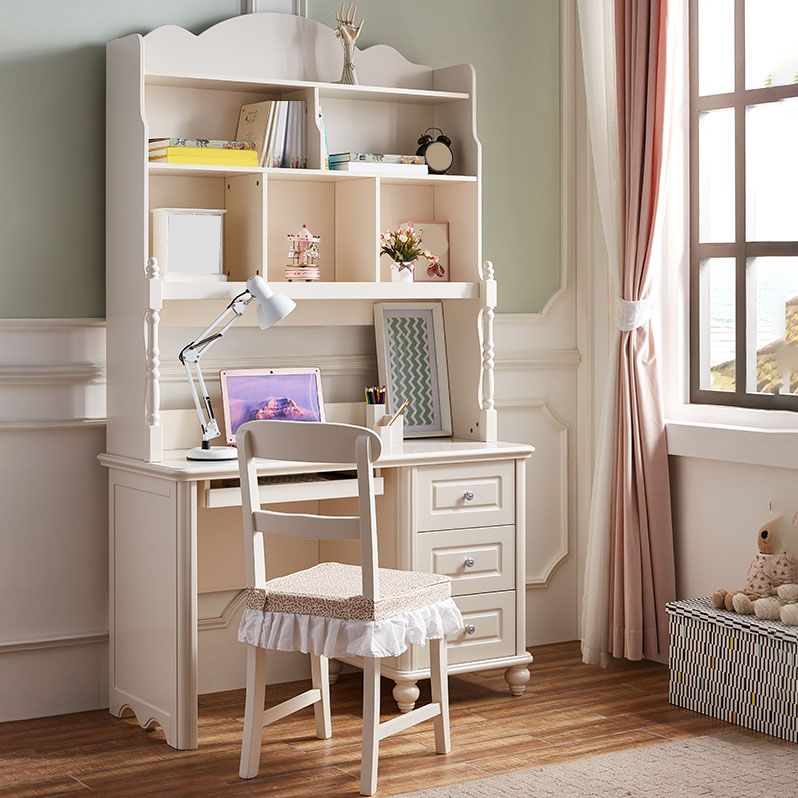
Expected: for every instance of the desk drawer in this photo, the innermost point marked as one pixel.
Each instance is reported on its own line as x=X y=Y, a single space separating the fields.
x=465 y=495
x=489 y=632
x=478 y=560
x=285 y=492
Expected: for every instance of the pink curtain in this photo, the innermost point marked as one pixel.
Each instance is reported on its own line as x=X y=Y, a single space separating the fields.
x=641 y=537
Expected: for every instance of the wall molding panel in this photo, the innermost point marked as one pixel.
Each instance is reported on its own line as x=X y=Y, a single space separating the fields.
x=64 y=641
x=330 y=365
x=536 y=359
x=539 y=568
x=52 y=372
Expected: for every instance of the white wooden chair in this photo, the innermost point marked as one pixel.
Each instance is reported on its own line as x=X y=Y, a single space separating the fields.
x=334 y=609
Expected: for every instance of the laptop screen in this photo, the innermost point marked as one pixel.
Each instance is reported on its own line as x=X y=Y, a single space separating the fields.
x=270 y=394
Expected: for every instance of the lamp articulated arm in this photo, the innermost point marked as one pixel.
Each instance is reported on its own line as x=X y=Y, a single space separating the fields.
x=272 y=308
x=191 y=355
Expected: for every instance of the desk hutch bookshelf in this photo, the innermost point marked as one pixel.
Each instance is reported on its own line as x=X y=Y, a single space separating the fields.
x=173 y=83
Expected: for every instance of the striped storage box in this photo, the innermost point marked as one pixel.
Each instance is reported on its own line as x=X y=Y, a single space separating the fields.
x=734 y=667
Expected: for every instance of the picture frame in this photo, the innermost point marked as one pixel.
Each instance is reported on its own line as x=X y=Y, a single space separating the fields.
x=411 y=362
x=279 y=394
x=435 y=238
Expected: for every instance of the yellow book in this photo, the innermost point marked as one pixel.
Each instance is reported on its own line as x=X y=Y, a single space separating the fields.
x=249 y=158
x=206 y=152
x=193 y=152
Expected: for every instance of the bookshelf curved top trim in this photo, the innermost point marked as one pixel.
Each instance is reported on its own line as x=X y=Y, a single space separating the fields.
x=255 y=45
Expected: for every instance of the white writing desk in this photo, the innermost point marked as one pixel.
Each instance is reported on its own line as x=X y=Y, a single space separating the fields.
x=455 y=507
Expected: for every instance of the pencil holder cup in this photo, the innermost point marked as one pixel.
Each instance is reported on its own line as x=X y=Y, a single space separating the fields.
x=374 y=416
x=392 y=434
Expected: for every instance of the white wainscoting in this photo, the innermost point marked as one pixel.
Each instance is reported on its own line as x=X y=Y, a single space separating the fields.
x=53 y=532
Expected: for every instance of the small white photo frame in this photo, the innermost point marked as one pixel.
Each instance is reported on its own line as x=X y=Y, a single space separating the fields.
x=411 y=361
x=189 y=243
x=435 y=239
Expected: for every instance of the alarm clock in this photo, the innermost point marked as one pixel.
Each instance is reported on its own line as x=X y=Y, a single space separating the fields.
x=437 y=152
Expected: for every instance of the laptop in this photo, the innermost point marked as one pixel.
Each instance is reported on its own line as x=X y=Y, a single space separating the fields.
x=270 y=394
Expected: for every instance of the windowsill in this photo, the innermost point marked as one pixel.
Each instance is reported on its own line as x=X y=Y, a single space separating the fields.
x=734 y=435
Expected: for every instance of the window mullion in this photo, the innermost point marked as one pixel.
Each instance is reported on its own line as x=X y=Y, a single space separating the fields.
x=741 y=300
x=694 y=287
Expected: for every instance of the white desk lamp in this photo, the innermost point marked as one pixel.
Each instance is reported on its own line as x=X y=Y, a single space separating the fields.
x=272 y=307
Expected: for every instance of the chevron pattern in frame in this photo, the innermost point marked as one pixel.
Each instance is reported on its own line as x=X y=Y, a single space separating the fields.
x=411 y=357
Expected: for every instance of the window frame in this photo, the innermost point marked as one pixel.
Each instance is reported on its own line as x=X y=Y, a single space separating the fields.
x=740 y=249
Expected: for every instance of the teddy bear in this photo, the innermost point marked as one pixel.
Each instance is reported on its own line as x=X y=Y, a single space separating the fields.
x=767 y=572
x=781 y=607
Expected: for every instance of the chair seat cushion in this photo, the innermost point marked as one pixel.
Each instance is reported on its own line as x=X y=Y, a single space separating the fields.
x=336 y=637
x=334 y=590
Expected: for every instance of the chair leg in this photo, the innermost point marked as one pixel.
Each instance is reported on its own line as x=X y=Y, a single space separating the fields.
x=253 y=714
x=371 y=725
x=320 y=675
x=439 y=682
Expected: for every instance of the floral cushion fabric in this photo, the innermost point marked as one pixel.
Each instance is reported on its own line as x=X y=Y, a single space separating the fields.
x=334 y=590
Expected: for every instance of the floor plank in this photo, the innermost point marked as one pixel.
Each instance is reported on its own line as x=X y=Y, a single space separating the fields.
x=570 y=711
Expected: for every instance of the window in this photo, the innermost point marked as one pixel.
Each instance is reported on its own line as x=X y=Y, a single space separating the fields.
x=744 y=202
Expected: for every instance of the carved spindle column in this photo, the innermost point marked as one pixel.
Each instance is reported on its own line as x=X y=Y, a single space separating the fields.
x=152 y=318
x=488 y=381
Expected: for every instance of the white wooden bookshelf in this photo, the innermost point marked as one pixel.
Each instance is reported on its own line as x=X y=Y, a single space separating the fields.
x=172 y=83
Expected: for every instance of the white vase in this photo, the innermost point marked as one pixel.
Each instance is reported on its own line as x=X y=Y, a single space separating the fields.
x=402 y=273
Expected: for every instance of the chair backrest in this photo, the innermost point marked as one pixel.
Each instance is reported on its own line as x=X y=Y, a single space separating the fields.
x=308 y=442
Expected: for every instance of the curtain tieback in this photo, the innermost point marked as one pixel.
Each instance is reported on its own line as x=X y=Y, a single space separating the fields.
x=633 y=313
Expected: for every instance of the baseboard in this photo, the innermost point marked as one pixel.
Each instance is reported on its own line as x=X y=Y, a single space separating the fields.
x=37 y=682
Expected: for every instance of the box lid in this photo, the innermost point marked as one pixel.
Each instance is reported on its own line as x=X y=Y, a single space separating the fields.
x=702 y=609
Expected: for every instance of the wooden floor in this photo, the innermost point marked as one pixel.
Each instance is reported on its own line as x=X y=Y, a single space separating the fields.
x=570 y=711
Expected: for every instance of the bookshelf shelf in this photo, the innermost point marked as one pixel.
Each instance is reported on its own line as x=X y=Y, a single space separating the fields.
x=334 y=91
x=309 y=175
x=197 y=170
x=320 y=291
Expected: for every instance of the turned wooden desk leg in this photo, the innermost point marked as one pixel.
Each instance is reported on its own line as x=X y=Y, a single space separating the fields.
x=517 y=678
x=335 y=667
x=406 y=694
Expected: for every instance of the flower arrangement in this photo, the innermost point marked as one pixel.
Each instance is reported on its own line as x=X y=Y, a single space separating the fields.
x=403 y=247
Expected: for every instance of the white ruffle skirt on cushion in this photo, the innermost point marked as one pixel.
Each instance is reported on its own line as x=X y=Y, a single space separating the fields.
x=336 y=637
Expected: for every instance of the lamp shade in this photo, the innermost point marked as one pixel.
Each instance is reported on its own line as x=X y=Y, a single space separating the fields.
x=272 y=307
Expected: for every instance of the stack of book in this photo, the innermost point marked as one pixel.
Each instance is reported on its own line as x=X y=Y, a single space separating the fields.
x=373 y=163
x=276 y=131
x=206 y=152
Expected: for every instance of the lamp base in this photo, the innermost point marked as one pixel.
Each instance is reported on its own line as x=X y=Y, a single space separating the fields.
x=214 y=453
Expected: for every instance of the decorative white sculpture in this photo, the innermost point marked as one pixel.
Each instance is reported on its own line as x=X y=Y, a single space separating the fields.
x=346 y=31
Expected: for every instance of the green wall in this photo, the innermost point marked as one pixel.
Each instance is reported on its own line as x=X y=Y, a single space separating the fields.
x=52 y=119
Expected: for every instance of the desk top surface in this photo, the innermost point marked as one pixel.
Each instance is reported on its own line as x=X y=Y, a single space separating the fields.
x=427 y=451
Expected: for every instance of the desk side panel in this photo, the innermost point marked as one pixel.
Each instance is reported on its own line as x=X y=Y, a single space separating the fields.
x=143 y=599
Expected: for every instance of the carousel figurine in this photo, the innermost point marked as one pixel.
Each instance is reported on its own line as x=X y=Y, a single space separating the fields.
x=303 y=250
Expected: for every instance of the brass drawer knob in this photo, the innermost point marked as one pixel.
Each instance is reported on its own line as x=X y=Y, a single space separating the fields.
x=469 y=495
x=470 y=562
x=470 y=629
